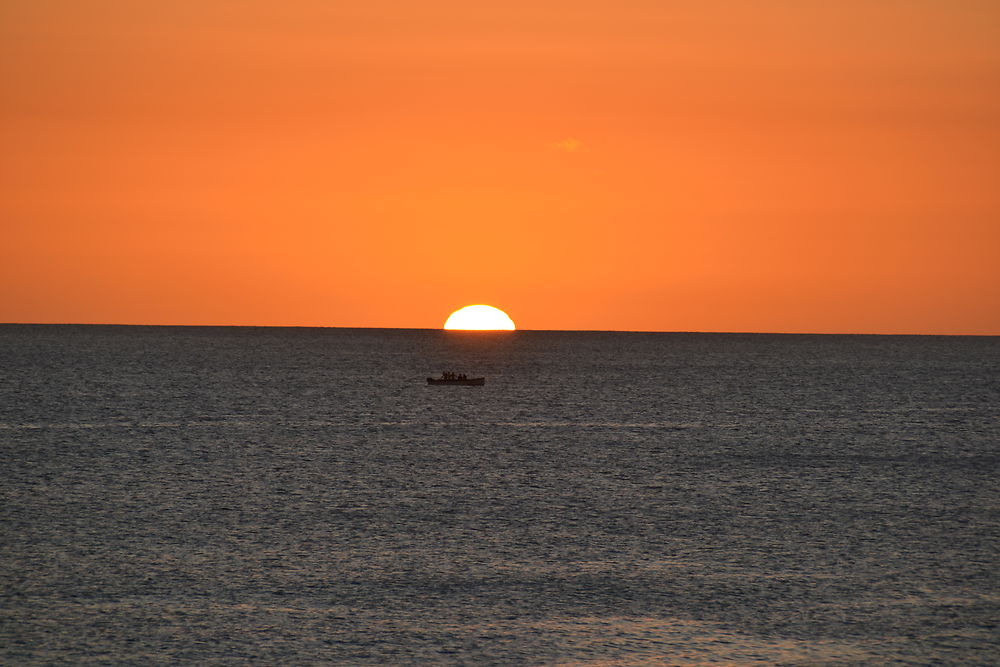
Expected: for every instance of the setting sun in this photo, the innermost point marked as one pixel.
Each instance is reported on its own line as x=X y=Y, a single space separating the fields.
x=480 y=318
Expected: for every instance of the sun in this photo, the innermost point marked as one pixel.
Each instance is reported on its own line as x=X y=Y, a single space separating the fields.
x=480 y=318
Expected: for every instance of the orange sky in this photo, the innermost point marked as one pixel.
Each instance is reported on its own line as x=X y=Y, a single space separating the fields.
x=776 y=165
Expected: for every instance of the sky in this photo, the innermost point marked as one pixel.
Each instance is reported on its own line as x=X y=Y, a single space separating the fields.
x=688 y=165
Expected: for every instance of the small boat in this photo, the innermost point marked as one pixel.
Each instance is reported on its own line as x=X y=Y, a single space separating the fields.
x=456 y=378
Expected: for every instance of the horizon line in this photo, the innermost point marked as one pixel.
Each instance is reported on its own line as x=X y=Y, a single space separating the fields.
x=477 y=331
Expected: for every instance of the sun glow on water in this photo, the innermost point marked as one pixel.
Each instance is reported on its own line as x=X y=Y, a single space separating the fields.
x=480 y=318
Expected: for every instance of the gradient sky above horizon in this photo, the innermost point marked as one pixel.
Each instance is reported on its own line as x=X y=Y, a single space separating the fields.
x=778 y=165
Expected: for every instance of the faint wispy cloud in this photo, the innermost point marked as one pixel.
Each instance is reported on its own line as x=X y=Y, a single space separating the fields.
x=570 y=145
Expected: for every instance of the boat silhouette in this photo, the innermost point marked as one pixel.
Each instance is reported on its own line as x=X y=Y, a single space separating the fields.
x=457 y=378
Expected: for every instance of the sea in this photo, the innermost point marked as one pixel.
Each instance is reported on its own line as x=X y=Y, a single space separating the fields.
x=302 y=496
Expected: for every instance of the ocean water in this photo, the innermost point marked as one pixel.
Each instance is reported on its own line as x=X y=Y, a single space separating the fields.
x=220 y=496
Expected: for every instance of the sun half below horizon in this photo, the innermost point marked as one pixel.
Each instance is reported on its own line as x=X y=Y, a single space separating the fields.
x=479 y=317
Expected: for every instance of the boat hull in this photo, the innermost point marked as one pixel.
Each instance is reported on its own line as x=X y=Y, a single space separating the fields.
x=469 y=382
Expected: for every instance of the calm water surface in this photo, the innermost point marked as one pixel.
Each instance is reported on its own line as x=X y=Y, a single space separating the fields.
x=301 y=496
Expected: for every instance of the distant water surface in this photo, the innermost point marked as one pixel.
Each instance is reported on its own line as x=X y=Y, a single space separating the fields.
x=301 y=496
